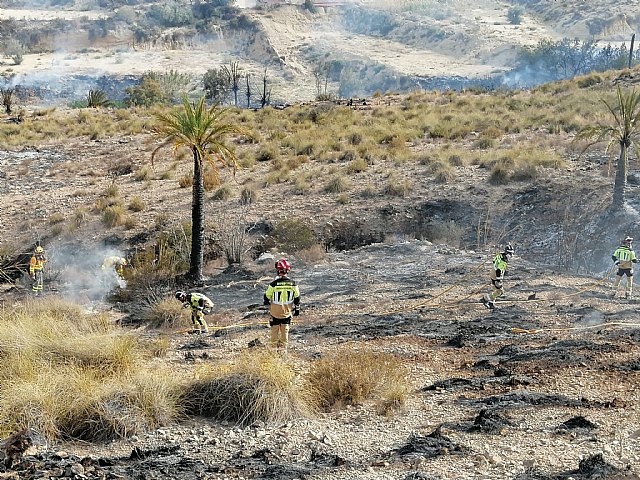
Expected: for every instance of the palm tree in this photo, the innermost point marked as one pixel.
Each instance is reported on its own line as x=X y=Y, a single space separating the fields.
x=203 y=131
x=623 y=133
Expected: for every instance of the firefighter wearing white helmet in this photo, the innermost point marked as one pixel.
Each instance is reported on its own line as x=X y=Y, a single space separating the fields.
x=200 y=305
x=500 y=264
x=115 y=263
x=624 y=257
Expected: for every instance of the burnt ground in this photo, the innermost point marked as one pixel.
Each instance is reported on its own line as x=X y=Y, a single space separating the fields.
x=488 y=402
x=496 y=386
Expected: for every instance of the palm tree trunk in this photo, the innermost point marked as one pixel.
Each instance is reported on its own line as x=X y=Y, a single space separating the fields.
x=197 y=220
x=620 y=185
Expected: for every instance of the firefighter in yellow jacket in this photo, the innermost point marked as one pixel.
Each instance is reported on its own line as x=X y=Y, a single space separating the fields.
x=115 y=263
x=283 y=298
x=624 y=257
x=200 y=305
x=500 y=265
x=36 y=269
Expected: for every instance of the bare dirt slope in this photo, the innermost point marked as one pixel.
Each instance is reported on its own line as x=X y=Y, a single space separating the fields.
x=450 y=38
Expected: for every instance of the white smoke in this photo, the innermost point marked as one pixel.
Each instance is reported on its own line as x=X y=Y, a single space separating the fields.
x=76 y=273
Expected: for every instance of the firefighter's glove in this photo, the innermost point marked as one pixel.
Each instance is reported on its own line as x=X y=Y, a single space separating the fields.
x=296 y=312
x=617 y=262
x=185 y=305
x=206 y=311
x=498 y=284
x=200 y=309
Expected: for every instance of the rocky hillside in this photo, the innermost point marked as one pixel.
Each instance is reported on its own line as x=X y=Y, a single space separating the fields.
x=383 y=45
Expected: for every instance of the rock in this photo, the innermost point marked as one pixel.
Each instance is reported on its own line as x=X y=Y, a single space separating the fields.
x=266 y=258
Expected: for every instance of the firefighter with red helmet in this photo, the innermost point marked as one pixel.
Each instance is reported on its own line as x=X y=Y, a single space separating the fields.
x=624 y=257
x=283 y=298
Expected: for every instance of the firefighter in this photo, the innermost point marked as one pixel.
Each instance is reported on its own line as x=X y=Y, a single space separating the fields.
x=36 y=269
x=118 y=264
x=200 y=305
x=500 y=265
x=283 y=298
x=624 y=257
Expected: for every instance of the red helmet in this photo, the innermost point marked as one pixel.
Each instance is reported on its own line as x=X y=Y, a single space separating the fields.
x=282 y=266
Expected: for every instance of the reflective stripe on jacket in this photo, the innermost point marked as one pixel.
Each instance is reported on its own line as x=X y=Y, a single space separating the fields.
x=37 y=263
x=499 y=266
x=199 y=300
x=282 y=294
x=625 y=256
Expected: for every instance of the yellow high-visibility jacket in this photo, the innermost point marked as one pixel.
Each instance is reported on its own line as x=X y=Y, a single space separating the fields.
x=624 y=256
x=37 y=263
x=282 y=294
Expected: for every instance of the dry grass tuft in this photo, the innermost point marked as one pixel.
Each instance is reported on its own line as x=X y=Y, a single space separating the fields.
x=166 y=313
x=136 y=204
x=72 y=375
x=350 y=377
x=113 y=216
x=260 y=387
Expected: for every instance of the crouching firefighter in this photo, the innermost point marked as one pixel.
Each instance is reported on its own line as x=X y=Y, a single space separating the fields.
x=283 y=298
x=500 y=265
x=624 y=257
x=200 y=305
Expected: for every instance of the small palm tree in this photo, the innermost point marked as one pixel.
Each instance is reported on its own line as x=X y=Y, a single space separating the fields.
x=201 y=130
x=97 y=99
x=624 y=132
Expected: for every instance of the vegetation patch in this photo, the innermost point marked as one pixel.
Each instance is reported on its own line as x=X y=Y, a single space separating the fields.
x=351 y=377
x=259 y=387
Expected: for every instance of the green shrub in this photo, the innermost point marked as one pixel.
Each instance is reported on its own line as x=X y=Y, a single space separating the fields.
x=294 y=234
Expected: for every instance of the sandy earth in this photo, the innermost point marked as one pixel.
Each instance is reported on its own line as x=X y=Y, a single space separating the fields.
x=489 y=48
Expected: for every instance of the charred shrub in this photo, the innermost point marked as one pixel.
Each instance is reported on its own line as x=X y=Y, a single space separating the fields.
x=347 y=235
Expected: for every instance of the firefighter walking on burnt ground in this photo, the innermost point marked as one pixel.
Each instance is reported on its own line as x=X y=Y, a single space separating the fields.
x=500 y=264
x=624 y=257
